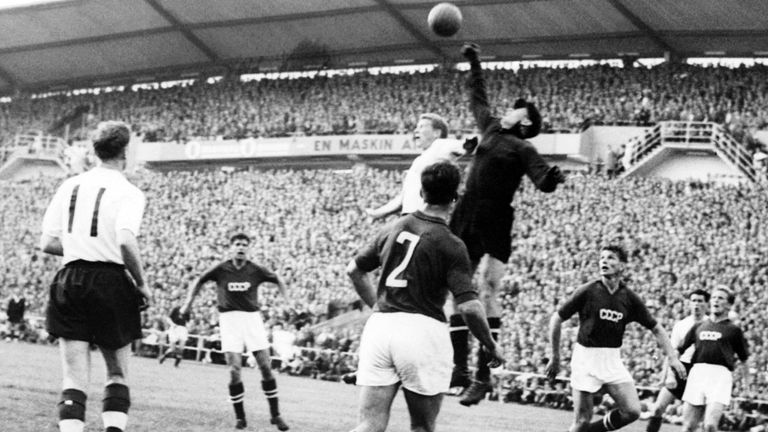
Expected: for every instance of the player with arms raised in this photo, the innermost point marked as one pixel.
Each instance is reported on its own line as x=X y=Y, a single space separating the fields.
x=240 y=322
x=605 y=307
x=483 y=216
x=405 y=341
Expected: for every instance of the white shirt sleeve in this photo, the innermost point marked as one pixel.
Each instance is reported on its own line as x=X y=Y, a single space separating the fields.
x=676 y=338
x=131 y=212
x=52 y=220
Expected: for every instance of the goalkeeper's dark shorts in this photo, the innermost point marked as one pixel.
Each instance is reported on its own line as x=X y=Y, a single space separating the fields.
x=485 y=228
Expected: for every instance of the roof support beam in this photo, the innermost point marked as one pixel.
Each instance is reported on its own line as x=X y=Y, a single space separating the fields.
x=641 y=25
x=181 y=27
x=86 y=40
x=412 y=29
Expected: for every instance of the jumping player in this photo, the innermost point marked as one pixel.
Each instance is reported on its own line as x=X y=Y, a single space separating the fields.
x=717 y=341
x=92 y=222
x=177 y=336
x=240 y=322
x=430 y=133
x=605 y=307
x=405 y=342
x=483 y=216
x=698 y=302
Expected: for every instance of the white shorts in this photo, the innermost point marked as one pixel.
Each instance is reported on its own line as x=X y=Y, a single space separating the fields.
x=406 y=347
x=591 y=368
x=177 y=333
x=708 y=383
x=242 y=330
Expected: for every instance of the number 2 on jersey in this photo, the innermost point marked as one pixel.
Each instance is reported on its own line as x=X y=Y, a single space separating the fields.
x=402 y=238
x=94 y=218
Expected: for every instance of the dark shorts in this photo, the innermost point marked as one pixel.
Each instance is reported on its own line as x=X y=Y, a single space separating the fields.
x=94 y=302
x=680 y=387
x=485 y=227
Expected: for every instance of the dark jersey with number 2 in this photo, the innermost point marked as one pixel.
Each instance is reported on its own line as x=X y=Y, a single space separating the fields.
x=604 y=316
x=237 y=288
x=421 y=262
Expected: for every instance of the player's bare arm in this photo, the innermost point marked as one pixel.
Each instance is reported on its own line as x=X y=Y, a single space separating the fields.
x=555 y=325
x=194 y=288
x=392 y=206
x=362 y=284
x=282 y=287
x=51 y=245
x=474 y=315
x=129 y=249
x=669 y=350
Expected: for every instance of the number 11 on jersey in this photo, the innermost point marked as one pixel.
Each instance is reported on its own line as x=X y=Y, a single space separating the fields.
x=393 y=279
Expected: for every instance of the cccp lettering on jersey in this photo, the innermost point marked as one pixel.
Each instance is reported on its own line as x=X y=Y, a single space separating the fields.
x=710 y=335
x=611 y=315
x=238 y=286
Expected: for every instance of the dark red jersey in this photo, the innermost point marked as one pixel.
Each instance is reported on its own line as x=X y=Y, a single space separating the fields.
x=604 y=316
x=716 y=343
x=237 y=288
x=421 y=262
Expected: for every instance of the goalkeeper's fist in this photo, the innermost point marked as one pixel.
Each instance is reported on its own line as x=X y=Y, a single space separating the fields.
x=471 y=51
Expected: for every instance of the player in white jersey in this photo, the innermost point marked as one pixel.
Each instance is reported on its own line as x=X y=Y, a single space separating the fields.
x=698 y=302
x=92 y=222
x=431 y=134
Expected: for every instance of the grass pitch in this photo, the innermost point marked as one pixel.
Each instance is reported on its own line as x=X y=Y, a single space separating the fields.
x=194 y=398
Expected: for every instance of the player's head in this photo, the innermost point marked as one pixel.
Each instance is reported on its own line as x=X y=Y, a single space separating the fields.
x=110 y=140
x=429 y=128
x=523 y=119
x=440 y=183
x=240 y=243
x=698 y=301
x=722 y=300
x=613 y=259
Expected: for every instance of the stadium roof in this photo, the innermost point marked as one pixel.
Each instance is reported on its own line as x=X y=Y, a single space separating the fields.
x=98 y=42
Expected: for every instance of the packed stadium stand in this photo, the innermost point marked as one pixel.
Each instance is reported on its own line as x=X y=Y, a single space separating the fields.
x=308 y=223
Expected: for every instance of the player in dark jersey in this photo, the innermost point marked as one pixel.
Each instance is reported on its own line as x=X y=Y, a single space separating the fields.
x=240 y=323
x=177 y=336
x=483 y=215
x=698 y=301
x=405 y=341
x=718 y=341
x=605 y=307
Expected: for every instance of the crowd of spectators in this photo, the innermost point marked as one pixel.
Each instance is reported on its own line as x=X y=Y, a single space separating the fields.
x=307 y=224
x=569 y=99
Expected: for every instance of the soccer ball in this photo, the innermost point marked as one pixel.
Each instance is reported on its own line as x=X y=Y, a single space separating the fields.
x=444 y=19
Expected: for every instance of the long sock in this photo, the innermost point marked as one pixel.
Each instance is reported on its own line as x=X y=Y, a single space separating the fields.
x=72 y=410
x=460 y=341
x=270 y=391
x=114 y=413
x=236 y=396
x=610 y=422
x=483 y=371
x=654 y=424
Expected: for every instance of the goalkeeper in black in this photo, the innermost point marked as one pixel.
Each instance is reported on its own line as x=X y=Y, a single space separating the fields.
x=483 y=215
